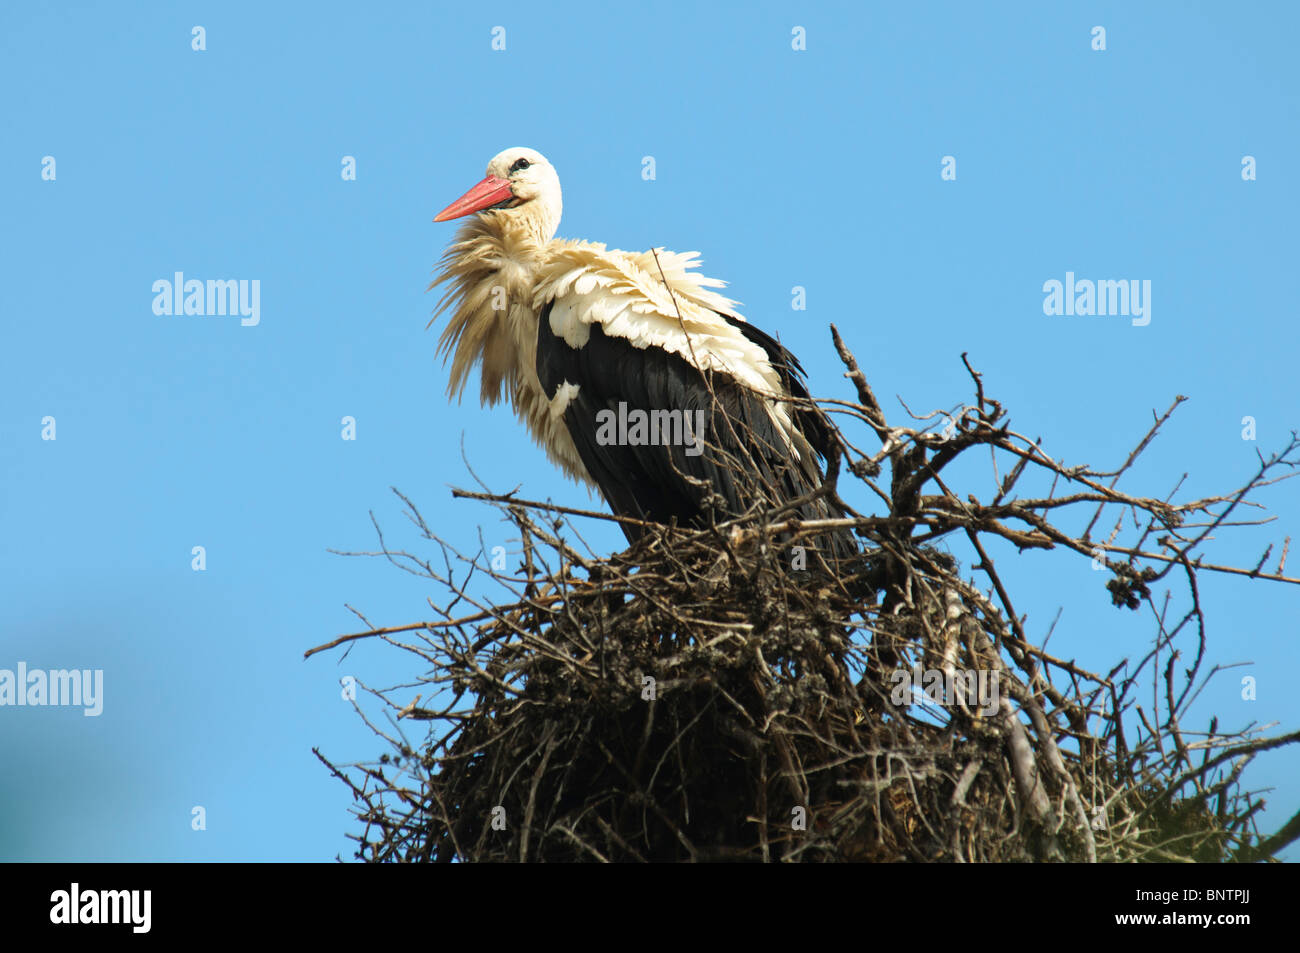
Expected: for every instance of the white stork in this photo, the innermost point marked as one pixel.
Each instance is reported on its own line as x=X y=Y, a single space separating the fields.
x=627 y=368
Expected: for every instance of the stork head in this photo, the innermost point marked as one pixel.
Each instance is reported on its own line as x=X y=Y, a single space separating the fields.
x=521 y=184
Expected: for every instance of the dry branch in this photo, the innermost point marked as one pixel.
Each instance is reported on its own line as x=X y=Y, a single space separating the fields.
x=705 y=696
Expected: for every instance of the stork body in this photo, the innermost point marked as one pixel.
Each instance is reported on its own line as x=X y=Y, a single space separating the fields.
x=628 y=368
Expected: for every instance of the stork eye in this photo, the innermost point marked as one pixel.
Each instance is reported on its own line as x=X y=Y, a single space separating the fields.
x=520 y=165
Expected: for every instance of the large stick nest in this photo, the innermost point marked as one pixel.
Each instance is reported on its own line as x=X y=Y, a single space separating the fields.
x=723 y=694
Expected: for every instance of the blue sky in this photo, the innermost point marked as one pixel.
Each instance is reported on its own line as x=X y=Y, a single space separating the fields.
x=817 y=168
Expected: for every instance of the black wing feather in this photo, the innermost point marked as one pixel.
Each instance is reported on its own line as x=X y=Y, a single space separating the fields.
x=744 y=461
x=807 y=416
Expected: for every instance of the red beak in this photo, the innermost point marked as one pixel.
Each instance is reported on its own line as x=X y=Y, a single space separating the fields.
x=484 y=195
